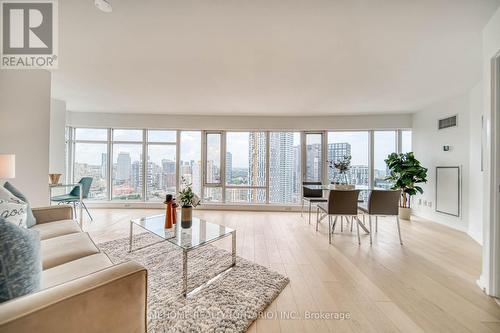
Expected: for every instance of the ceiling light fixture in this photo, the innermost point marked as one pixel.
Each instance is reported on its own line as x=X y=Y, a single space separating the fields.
x=103 y=5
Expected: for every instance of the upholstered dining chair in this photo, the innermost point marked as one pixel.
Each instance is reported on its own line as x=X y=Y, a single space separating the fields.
x=311 y=196
x=382 y=203
x=73 y=197
x=341 y=203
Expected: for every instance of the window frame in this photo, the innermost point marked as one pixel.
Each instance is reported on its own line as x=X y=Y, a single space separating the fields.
x=145 y=153
x=71 y=142
x=246 y=187
x=323 y=150
x=301 y=172
x=110 y=162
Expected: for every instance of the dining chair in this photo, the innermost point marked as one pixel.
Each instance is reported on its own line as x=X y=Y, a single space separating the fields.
x=311 y=196
x=73 y=197
x=341 y=203
x=382 y=203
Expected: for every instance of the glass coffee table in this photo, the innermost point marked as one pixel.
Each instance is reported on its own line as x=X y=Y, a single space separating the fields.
x=198 y=234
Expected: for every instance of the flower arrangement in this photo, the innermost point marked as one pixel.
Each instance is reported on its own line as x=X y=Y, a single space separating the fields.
x=341 y=166
x=186 y=196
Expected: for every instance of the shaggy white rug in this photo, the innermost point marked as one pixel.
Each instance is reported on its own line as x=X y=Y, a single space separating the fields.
x=229 y=304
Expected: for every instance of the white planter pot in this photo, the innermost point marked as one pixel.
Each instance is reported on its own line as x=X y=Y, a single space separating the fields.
x=405 y=213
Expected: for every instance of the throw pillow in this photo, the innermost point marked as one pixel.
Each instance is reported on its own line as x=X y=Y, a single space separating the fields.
x=12 y=209
x=30 y=219
x=20 y=261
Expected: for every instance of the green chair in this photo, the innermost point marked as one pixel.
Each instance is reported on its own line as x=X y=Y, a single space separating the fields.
x=73 y=197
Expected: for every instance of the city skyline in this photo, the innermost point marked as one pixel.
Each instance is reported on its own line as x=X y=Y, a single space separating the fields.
x=245 y=166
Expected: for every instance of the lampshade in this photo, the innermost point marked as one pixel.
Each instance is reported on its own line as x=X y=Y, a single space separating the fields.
x=7 y=166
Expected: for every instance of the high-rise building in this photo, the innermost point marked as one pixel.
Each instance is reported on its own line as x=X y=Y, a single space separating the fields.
x=229 y=167
x=281 y=167
x=123 y=166
x=359 y=174
x=195 y=176
x=169 y=175
x=256 y=165
x=104 y=165
x=297 y=173
x=313 y=162
x=136 y=176
x=336 y=151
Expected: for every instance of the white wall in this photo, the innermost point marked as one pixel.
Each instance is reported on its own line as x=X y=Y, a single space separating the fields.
x=476 y=139
x=90 y=119
x=24 y=128
x=491 y=47
x=57 y=146
x=428 y=144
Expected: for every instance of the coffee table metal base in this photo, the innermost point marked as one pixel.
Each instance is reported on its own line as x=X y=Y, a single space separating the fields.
x=218 y=276
x=185 y=252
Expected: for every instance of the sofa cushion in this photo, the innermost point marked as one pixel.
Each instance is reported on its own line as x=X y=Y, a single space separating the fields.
x=12 y=209
x=74 y=269
x=57 y=228
x=20 y=261
x=30 y=218
x=60 y=250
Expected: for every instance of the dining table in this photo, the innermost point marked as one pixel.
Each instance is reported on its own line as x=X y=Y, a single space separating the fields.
x=328 y=187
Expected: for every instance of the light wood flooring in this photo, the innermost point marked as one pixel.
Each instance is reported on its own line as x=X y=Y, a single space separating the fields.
x=426 y=285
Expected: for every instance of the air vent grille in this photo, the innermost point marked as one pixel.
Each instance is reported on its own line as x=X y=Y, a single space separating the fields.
x=447 y=122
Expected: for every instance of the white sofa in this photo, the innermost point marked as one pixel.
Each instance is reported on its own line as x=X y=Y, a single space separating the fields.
x=82 y=291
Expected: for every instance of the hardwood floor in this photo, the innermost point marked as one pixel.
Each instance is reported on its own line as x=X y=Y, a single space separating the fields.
x=426 y=285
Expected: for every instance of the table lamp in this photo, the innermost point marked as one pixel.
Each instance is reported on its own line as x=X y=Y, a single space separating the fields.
x=7 y=166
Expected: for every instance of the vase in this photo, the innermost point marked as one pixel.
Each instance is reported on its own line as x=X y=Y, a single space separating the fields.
x=54 y=178
x=186 y=214
x=404 y=213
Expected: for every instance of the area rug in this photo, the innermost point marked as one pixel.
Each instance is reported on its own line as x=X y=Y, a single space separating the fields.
x=229 y=304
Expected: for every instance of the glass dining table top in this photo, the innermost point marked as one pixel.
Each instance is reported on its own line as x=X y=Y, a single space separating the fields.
x=200 y=232
x=332 y=187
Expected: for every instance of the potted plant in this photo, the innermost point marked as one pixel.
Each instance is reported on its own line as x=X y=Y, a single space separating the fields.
x=406 y=172
x=188 y=200
x=341 y=167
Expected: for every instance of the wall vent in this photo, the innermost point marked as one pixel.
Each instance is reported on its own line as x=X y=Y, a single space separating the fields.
x=447 y=122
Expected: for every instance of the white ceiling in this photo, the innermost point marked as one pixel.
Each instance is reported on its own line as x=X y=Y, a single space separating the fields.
x=268 y=57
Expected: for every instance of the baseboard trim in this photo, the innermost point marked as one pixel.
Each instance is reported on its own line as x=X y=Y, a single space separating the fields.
x=206 y=206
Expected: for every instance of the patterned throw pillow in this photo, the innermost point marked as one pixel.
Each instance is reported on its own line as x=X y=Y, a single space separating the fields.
x=30 y=219
x=12 y=209
x=20 y=261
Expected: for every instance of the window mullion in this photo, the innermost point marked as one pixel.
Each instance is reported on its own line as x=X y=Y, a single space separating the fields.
x=109 y=167
x=144 y=165
x=267 y=165
x=371 y=158
x=178 y=161
x=223 y=165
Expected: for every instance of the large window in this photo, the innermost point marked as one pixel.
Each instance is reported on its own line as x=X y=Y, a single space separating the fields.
x=406 y=141
x=354 y=144
x=213 y=153
x=127 y=180
x=284 y=167
x=90 y=160
x=236 y=167
x=161 y=170
x=384 y=144
x=245 y=169
x=190 y=163
x=314 y=160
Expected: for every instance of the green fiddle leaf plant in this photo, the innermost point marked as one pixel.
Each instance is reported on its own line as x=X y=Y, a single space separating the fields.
x=406 y=172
